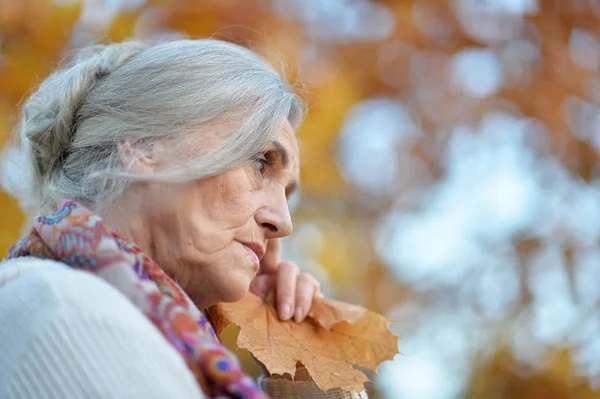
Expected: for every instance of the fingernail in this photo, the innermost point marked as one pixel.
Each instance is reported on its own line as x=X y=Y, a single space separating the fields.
x=286 y=311
x=298 y=315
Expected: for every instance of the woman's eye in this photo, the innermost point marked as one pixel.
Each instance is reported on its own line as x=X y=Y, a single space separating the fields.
x=260 y=165
x=263 y=162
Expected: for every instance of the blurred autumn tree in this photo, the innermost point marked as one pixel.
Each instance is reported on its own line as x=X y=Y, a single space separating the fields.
x=449 y=167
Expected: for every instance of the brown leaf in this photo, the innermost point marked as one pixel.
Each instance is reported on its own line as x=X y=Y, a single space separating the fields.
x=328 y=355
x=328 y=312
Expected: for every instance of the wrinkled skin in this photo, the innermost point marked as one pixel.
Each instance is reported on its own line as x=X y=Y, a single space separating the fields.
x=210 y=235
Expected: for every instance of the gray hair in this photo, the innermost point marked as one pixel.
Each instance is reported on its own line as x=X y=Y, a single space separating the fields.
x=174 y=93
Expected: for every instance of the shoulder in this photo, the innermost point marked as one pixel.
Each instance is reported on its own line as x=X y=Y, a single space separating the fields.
x=39 y=289
x=63 y=325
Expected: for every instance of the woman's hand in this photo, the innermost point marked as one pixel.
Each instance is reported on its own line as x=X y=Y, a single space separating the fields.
x=295 y=291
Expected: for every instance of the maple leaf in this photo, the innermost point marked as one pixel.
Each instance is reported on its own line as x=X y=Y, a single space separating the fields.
x=328 y=312
x=328 y=351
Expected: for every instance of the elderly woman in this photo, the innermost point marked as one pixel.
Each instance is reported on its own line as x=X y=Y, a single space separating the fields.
x=162 y=173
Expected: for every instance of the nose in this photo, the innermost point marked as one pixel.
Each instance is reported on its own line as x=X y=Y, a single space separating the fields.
x=274 y=217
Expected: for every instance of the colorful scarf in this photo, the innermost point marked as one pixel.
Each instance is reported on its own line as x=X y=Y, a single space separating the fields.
x=78 y=237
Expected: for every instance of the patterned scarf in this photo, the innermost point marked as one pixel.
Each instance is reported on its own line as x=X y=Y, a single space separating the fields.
x=78 y=237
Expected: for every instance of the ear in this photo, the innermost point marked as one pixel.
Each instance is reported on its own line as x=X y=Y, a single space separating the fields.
x=136 y=159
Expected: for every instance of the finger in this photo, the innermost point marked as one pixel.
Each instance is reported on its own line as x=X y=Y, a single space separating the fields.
x=270 y=262
x=262 y=284
x=318 y=290
x=306 y=288
x=286 y=289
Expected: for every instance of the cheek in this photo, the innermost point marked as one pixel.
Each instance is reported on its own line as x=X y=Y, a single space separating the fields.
x=234 y=199
x=214 y=212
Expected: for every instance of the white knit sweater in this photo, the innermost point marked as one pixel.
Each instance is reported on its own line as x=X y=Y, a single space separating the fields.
x=66 y=334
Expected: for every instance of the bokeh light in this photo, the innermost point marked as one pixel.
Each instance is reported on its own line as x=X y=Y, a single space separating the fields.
x=449 y=164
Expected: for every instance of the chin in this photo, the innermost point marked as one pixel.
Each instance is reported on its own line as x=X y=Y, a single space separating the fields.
x=235 y=291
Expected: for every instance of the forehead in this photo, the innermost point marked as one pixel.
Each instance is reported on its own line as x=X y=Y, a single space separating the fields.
x=288 y=134
x=287 y=139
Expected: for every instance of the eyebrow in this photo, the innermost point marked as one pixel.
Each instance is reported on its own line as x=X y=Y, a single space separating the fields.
x=285 y=160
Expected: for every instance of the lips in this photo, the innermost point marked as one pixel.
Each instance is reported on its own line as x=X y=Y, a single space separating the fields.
x=256 y=249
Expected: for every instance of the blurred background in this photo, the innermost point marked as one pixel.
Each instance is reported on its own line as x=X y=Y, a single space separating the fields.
x=450 y=173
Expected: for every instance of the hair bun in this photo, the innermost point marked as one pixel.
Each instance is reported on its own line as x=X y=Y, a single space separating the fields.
x=49 y=119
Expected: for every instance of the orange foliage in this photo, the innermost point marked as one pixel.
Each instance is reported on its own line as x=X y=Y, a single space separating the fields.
x=505 y=377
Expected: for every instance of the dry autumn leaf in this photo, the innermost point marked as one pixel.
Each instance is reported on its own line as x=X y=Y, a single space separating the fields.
x=328 y=312
x=327 y=354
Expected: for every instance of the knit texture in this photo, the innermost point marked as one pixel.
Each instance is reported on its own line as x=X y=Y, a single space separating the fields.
x=279 y=388
x=65 y=334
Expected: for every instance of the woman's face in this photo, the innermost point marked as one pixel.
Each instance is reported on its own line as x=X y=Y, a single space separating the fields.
x=209 y=235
